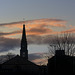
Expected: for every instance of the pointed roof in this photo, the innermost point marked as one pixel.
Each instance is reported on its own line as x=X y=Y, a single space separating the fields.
x=24 y=40
x=24 y=51
x=24 y=33
x=17 y=60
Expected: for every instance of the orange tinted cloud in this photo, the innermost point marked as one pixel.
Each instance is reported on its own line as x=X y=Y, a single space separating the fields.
x=72 y=30
x=35 y=27
x=40 y=61
x=10 y=33
x=39 y=31
x=51 y=22
x=38 y=58
x=47 y=22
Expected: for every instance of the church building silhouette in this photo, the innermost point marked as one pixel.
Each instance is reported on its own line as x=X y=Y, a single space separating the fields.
x=21 y=64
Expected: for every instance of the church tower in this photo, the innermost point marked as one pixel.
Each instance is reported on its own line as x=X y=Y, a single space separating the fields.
x=24 y=51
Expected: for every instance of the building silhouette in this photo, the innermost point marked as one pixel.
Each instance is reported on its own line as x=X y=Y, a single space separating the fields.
x=20 y=64
x=61 y=64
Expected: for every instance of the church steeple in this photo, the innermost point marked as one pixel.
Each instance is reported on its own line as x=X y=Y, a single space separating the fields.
x=24 y=33
x=24 y=51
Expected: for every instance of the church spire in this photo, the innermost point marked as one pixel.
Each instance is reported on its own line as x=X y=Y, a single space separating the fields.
x=24 y=32
x=24 y=51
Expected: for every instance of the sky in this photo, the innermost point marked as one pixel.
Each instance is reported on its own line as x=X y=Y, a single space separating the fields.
x=43 y=18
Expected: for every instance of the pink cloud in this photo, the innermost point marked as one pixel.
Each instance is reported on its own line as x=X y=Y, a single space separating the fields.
x=40 y=61
x=35 y=27
x=72 y=30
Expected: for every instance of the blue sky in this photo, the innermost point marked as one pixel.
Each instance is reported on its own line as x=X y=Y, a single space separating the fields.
x=16 y=10
x=35 y=10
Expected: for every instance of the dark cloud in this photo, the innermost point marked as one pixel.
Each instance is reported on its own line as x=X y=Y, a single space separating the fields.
x=10 y=33
x=35 y=56
x=12 y=23
x=40 y=30
x=7 y=44
x=34 y=21
x=35 y=39
x=34 y=35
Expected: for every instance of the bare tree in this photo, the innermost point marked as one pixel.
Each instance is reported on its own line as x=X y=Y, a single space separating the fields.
x=9 y=56
x=64 y=41
x=4 y=58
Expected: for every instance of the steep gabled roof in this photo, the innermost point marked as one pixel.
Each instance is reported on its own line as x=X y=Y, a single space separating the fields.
x=17 y=60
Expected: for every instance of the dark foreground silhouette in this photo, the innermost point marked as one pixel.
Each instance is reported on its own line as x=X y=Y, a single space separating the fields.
x=61 y=64
x=57 y=65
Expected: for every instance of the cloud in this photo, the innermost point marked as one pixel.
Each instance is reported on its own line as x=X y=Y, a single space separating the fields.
x=51 y=22
x=7 y=44
x=12 y=23
x=39 y=31
x=40 y=61
x=71 y=26
x=37 y=26
x=72 y=30
x=33 y=27
x=34 y=56
x=10 y=33
x=41 y=23
x=38 y=58
x=35 y=39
